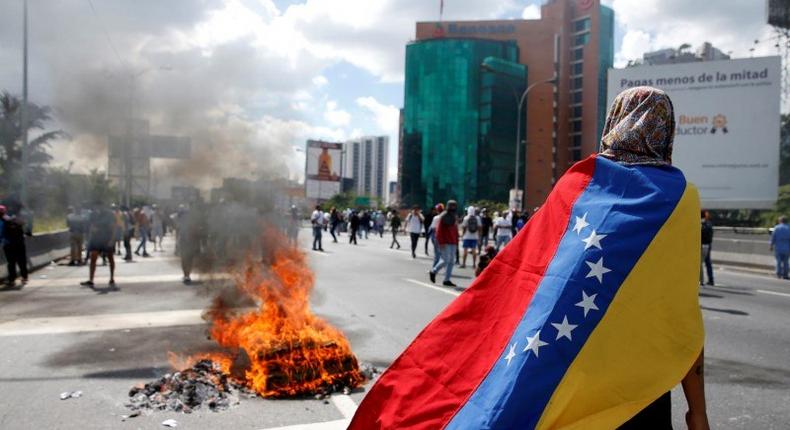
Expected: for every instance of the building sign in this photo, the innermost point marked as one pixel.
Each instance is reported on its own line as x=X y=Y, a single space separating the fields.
x=473 y=29
x=322 y=169
x=727 y=125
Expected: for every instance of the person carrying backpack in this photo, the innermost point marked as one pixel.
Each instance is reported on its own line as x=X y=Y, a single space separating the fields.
x=471 y=228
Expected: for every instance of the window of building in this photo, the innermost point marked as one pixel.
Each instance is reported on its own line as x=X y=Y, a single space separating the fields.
x=577 y=68
x=581 y=25
x=576 y=140
x=576 y=154
x=578 y=54
x=576 y=97
x=576 y=112
x=576 y=126
x=576 y=83
x=581 y=39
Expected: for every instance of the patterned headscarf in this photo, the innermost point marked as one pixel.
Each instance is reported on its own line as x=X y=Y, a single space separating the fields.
x=640 y=128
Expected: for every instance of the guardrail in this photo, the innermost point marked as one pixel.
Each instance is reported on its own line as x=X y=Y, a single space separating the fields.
x=742 y=246
x=42 y=249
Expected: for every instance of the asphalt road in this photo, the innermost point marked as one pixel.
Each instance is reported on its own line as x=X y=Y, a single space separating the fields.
x=56 y=336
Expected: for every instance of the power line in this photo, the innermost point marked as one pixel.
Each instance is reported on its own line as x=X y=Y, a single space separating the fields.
x=106 y=34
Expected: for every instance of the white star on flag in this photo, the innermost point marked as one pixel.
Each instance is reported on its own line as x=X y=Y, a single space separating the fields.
x=511 y=353
x=588 y=302
x=564 y=329
x=581 y=224
x=593 y=240
x=534 y=343
x=597 y=270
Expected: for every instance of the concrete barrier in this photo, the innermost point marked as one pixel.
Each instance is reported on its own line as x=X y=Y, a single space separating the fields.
x=742 y=247
x=42 y=249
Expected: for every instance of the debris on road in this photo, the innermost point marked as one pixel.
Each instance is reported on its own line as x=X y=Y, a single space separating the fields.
x=170 y=423
x=70 y=395
x=369 y=371
x=202 y=385
x=132 y=415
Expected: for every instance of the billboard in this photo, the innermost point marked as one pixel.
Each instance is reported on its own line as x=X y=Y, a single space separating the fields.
x=727 y=125
x=322 y=169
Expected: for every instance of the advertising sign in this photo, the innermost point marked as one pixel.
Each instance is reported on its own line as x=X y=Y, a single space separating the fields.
x=322 y=169
x=727 y=125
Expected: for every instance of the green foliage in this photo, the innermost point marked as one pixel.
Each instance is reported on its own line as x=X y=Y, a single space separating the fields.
x=490 y=205
x=784 y=154
x=340 y=201
x=11 y=133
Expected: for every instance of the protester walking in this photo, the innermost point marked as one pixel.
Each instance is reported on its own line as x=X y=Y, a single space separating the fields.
x=395 y=224
x=128 y=232
x=143 y=231
x=102 y=236
x=317 y=221
x=293 y=226
x=447 y=238
x=471 y=235
x=780 y=245
x=13 y=241
x=414 y=226
x=437 y=255
x=353 y=224
x=334 y=221
x=427 y=221
x=707 y=242
x=503 y=232
x=381 y=222
x=157 y=228
x=76 y=225
x=486 y=224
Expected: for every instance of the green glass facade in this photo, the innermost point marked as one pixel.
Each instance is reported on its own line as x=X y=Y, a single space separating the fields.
x=459 y=121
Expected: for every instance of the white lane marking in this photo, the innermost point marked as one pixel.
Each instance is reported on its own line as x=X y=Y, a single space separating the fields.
x=328 y=425
x=773 y=293
x=345 y=404
x=442 y=289
x=102 y=322
x=120 y=278
x=321 y=253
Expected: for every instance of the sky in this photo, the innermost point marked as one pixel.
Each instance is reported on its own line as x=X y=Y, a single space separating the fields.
x=250 y=80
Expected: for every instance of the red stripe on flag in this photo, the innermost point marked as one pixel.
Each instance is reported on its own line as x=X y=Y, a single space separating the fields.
x=436 y=374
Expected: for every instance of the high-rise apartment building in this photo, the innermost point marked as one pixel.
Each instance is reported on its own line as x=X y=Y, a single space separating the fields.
x=366 y=163
x=444 y=152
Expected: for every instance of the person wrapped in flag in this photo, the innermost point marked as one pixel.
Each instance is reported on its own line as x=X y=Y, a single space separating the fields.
x=587 y=319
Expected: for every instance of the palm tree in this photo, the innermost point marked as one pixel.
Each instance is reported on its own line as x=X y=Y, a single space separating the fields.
x=11 y=141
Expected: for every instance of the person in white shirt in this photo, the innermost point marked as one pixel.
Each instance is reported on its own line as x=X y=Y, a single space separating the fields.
x=432 y=233
x=414 y=222
x=471 y=226
x=504 y=233
x=317 y=219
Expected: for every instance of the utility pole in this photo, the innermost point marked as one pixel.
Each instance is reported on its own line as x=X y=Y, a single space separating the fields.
x=24 y=113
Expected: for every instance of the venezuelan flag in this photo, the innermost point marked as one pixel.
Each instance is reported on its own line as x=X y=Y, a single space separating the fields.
x=587 y=317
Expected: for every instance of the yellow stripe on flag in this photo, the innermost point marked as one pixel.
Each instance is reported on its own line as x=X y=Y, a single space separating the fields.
x=648 y=339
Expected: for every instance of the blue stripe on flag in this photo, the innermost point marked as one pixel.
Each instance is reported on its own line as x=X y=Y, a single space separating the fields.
x=628 y=205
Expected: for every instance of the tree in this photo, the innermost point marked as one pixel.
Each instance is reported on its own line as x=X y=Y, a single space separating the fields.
x=340 y=201
x=11 y=134
x=490 y=205
x=784 y=155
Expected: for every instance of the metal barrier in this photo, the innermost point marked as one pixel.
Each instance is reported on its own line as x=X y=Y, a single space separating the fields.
x=742 y=246
x=42 y=249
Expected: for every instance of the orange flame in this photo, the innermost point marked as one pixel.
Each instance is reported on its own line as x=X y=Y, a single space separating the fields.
x=290 y=351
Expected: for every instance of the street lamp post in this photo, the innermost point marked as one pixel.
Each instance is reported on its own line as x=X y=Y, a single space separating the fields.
x=24 y=113
x=520 y=101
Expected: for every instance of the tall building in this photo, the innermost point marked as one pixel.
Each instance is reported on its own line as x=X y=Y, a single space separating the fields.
x=452 y=153
x=459 y=121
x=706 y=52
x=366 y=163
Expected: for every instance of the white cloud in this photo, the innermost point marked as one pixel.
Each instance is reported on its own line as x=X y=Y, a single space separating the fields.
x=320 y=81
x=635 y=43
x=386 y=116
x=531 y=12
x=336 y=117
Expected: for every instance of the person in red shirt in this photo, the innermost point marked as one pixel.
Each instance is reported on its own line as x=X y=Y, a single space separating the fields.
x=447 y=239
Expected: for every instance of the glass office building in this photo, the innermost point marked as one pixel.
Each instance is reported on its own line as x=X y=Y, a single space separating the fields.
x=459 y=120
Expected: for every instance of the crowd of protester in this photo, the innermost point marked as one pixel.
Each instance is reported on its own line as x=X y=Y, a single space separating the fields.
x=480 y=233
